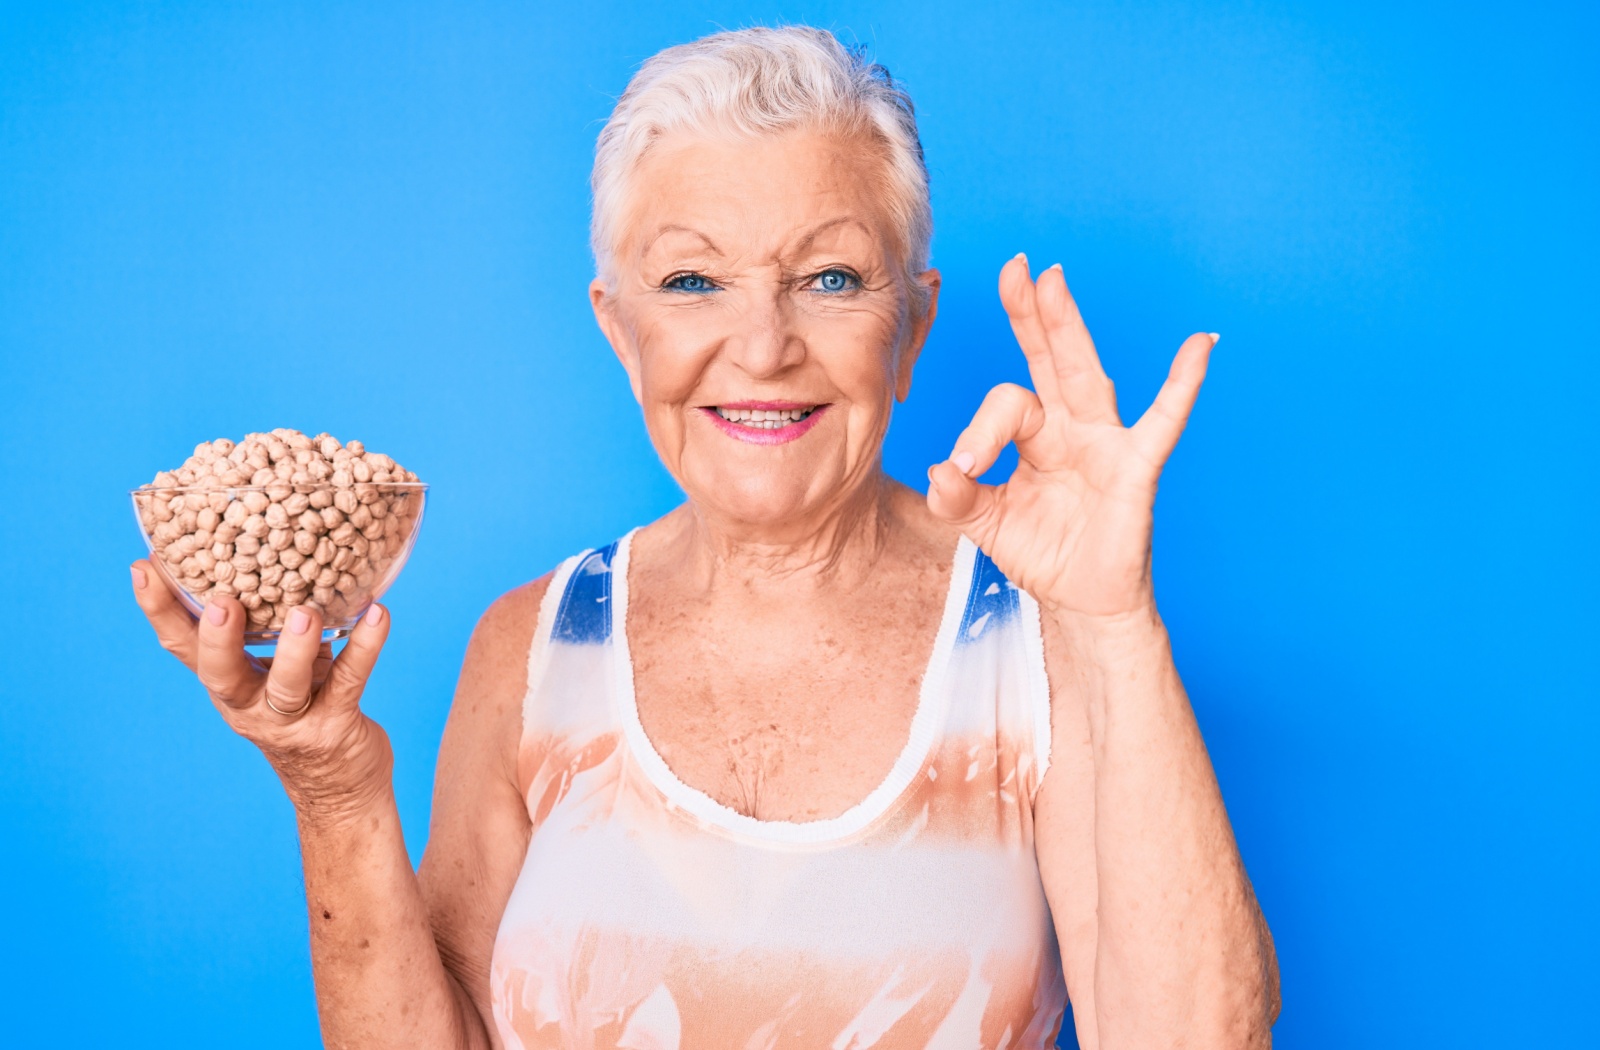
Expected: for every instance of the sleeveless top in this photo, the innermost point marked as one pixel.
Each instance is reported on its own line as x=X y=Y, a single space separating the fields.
x=649 y=916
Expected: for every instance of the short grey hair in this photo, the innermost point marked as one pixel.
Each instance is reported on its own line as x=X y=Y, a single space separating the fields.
x=761 y=81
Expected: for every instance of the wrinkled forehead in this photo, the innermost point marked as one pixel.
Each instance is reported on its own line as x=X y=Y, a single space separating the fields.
x=759 y=198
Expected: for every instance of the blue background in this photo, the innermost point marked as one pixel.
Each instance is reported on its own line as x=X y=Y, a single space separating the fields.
x=1373 y=544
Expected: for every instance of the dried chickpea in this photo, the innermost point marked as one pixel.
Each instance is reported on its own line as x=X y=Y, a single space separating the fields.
x=316 y=522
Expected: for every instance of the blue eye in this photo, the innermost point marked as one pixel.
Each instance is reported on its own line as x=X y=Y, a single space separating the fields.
x=690 y=282
x=836 y=281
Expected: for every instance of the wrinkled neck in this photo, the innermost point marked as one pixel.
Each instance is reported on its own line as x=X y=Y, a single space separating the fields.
x=839 y=545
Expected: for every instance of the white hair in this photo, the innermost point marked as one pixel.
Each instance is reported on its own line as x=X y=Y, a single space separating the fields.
x=761 y=81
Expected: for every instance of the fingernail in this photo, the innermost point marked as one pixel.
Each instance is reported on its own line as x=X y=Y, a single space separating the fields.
x=298 y=621
x=139 y=578
x=930 y=475
x=1216 y=337
x=964 y=461
x=216 y=614
x=374 y=614
x=1053 y=266
x=1020 y=255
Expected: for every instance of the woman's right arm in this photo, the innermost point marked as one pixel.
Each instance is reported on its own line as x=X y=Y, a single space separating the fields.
x=398 y=961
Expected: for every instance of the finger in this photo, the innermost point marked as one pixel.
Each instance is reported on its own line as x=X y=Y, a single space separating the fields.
x=955 y=498
x=1085 y=389
x=290 y=680
x=225 y=669
x=1158 y=430
x=347 y=679
x=1008 y=413
x=321 y=666
x=174 y=625
x=1018 y=296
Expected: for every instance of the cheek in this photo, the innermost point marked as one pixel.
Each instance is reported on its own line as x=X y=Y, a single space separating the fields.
x=860 y=355
x=671 y=362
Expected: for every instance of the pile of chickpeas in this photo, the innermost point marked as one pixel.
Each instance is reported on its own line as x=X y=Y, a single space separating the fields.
x=279 y=520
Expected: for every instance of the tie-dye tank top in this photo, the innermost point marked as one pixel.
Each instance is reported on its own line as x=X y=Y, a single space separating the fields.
x=650 y=916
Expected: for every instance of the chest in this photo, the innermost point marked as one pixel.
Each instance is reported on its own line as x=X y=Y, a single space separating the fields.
x=781 y=711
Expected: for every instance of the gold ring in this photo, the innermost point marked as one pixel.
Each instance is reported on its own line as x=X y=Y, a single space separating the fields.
x=287 y=714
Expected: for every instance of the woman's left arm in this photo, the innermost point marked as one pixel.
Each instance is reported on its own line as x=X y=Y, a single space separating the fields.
x=1162 y=940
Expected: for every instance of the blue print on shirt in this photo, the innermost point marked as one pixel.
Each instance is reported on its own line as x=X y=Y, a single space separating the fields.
x=585 y=614
x=992 y=601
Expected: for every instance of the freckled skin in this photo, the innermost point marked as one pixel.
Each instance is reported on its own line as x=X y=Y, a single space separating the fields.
x=779 y=678
x=749 y=692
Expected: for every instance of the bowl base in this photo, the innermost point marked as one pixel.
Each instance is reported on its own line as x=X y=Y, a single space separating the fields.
x=270 y=638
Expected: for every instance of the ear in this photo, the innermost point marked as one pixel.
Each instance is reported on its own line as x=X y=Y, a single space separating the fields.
x=616 y=333
x=921 y=324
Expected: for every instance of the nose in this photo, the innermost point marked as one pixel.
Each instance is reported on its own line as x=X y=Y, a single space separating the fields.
x=766 y=341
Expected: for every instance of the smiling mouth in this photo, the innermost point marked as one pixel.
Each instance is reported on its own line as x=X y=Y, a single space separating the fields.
x=764 y=418
x=765 y=422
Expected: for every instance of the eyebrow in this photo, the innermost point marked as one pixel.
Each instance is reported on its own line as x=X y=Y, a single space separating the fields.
x=803 y=246
x=843 y=220
x=663 y=231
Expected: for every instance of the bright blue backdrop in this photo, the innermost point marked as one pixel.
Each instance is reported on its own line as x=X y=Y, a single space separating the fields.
x=1373 y=544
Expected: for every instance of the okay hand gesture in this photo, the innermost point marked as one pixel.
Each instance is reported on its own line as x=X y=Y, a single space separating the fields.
x=1072 y=524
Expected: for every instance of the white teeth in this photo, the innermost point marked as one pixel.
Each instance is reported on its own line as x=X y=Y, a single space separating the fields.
x=763 y=418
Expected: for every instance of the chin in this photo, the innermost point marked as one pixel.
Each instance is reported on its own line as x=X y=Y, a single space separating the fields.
x=764 y=499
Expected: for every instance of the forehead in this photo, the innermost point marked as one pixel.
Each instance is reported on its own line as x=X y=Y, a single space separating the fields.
x=758 y=195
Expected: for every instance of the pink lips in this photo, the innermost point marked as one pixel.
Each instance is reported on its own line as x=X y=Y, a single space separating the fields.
x=754 y=436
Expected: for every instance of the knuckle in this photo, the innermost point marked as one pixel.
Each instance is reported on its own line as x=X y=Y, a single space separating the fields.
x=287 y=700
x=346 y=679
x=218 y=688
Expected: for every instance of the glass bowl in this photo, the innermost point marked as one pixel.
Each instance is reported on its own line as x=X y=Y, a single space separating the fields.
x=277 y=546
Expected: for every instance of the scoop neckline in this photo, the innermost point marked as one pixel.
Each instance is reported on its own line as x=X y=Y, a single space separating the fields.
x=926 y=722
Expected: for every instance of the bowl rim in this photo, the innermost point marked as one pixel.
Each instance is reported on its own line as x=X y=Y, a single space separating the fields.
x=149 y=488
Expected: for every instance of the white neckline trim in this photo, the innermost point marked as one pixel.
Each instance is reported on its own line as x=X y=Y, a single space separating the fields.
x=932 y=702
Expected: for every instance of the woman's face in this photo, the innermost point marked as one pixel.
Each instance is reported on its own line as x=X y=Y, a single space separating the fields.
x=761 y=308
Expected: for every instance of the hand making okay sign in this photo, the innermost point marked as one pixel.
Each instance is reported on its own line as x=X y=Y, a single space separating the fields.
x=1072 y=524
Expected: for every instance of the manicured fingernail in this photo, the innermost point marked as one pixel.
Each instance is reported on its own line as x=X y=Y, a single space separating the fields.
x=374 y=614
x=216 y=614
x=298 y=621
x=139 y=578
x=1053 y=266
x=964 y=461
x=1216 y=337
x=930 y=475
x=1020 y=255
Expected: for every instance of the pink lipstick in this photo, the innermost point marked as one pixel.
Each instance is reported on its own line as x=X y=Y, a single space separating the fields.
x=765 y=422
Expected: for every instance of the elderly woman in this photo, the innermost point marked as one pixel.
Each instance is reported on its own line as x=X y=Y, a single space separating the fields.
x=813 y=760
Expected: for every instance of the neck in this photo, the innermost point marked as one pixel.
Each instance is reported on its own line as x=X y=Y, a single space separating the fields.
x=839 y=545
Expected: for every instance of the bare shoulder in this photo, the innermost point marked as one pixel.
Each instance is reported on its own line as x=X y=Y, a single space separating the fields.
x=494 y=675
x=510 y=620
